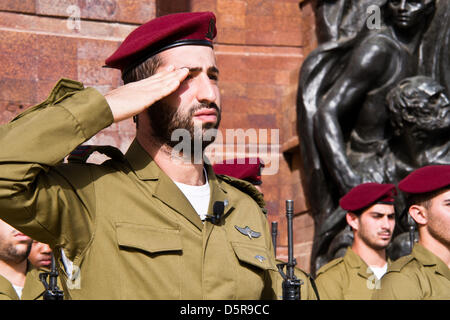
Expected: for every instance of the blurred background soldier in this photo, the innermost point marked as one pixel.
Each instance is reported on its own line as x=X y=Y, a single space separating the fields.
x=18 y=278
x=248 y=169
x=371 y=215
x=40 y=255
x=424 y=274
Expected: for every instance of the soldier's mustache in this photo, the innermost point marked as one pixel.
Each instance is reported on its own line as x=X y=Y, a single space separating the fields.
x=200 y=106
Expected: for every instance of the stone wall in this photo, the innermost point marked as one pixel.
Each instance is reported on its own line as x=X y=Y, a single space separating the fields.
x=260 y=48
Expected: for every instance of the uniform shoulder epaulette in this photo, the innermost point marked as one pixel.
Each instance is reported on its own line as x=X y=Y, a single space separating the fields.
x=245 y=187
x=62 y=89
x=330 y=265
x=400 y=263
x=82 y=153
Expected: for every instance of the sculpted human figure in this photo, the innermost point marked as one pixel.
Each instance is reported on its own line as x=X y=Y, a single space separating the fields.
x=419 y=111
x=376 y=64
x=343 y=120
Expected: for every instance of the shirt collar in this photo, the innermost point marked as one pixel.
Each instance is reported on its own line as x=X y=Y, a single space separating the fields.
x=428 y=258
x=141 y=162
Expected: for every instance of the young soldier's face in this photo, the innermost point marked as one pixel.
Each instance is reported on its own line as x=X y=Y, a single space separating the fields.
x=40 y=255
x=438 y=224
x=375 y=226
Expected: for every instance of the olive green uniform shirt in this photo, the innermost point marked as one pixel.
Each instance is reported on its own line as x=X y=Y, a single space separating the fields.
x=32 y=290
x=347 y=278
x=125 y=227
x=420 y=275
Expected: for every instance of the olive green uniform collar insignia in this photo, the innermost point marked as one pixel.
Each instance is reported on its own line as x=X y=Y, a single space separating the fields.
x=248 y=232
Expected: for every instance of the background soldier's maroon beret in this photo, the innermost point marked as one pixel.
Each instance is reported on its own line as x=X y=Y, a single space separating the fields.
x=248 y=169
x=426 y=179
x=367 y=194
x=165 y=32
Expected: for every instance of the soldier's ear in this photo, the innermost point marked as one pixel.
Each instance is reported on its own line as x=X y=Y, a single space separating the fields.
x=419 y=214
x=352 y=220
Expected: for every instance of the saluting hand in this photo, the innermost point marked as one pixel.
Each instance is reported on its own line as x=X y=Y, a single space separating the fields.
x=133 y=98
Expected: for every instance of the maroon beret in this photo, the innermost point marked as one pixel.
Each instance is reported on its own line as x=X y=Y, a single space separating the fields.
x=165 y=32
x=426 y=179
x=248 y=169
x=367 y=194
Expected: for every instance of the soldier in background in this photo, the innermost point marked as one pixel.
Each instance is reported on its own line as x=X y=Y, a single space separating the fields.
x=40 y=255
x=18 y=278
x=425 y=273
x=371 y=215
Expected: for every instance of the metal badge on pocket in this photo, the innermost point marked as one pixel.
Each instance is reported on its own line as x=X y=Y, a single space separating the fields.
x=260 y=258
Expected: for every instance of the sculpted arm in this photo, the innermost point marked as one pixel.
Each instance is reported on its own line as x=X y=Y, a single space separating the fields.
x=344 y=101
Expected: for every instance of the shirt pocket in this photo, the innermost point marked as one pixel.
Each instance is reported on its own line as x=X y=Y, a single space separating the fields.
x=148 y=238
x=254 y=264
x=256 y=256
x=150 y=261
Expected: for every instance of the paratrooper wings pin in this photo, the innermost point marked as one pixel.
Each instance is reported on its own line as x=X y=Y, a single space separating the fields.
x=248 y=232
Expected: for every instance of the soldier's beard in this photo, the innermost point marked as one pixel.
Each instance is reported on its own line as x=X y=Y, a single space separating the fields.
x=10 y=253
x=165 y=120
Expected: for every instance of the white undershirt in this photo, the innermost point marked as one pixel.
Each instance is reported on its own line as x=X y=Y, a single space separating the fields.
x=198 y=196
x=18 y=290
x=379 y=271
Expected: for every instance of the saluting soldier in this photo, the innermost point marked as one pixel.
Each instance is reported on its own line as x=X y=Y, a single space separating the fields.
x=153 y=223
x=19 y=280
x=371 y=215
x=425 y=273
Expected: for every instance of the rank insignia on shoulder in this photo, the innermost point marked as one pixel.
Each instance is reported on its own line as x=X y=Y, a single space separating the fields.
x=248 y=232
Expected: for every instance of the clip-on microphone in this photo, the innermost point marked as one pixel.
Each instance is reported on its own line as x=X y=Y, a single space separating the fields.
x=218 y=210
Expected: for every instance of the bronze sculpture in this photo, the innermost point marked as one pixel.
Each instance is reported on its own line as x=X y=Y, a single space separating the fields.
x=343 y=125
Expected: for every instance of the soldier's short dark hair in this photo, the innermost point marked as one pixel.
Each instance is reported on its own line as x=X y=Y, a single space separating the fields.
x=424 y=199
x=143 y=70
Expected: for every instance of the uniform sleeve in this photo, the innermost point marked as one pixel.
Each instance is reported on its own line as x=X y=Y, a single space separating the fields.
x=35 y=197
x=398 y=286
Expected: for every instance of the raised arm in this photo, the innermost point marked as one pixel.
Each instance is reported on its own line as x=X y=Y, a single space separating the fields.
x=49 y=203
